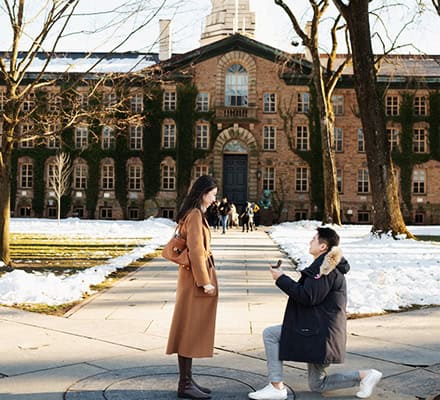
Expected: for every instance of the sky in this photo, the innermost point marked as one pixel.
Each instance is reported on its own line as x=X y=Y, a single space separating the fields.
x=385 y=274
x=188 y=17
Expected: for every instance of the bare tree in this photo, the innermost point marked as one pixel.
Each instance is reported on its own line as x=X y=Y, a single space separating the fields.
x=324 y=81
x=59 y=178
x=34 y=29
x=387 y=215
x=436 y=4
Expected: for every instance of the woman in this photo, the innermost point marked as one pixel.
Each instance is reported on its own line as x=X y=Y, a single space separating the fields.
x=193 y=325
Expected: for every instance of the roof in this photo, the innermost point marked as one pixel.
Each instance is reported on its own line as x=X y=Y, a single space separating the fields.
x=80 y=62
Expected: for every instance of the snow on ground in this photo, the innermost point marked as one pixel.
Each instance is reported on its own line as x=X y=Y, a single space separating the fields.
x=42 y=287
x=385 y=273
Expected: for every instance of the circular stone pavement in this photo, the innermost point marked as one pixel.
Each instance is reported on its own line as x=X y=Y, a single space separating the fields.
x=160 y=383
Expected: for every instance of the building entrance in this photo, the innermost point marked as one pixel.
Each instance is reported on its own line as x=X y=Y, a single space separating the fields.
x=235 y=185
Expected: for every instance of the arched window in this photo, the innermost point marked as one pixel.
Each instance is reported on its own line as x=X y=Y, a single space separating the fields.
x=236 y=86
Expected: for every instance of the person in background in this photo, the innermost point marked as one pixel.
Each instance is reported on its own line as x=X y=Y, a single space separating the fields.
x=314 y=325
x=212 y=215
x=247 y=215
x=193 y=324
x=256 y=209
x=224 y=208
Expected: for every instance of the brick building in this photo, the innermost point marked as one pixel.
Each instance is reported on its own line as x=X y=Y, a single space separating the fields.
x=242 y=111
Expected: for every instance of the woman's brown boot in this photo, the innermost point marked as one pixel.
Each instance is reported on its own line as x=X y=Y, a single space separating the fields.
x=187 y=389
x=201 y=388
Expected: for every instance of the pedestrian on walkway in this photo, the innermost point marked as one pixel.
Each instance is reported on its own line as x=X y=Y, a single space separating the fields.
x=193 y=324
x=314 y=326
x=224 y=209
x=247 y=217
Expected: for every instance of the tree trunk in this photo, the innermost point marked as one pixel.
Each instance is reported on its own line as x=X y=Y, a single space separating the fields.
x=5 y=207
x=323 y=102
x=386 y=213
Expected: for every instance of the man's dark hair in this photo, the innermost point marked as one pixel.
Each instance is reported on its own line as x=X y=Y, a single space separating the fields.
x=328 y=236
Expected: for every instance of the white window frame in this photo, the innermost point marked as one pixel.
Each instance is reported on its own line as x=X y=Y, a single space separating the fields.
x=363 y=181
x=269 y=137
x=301 y=179
x=81 y=137
x=169 y=100
x=302 y=138
x=419 y=181
x=269 y=103
x=202 y=135
x=269 y=178
x=169 y=135
x=202 y=102
x=135 y=177
x=303 y=105
x=136 y=133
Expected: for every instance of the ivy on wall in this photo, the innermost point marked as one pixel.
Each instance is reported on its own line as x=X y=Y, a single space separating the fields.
x=405 y=157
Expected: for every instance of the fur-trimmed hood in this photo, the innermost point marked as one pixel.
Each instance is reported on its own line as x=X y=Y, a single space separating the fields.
x=327 y=262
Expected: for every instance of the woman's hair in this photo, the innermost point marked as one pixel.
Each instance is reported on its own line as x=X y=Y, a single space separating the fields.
x=328 y=236
x=193 y=199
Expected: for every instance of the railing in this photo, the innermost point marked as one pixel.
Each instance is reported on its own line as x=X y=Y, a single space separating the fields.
x=237 y=113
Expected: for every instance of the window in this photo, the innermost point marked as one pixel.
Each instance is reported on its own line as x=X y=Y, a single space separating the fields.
x=419 y=217
x=202 y=136
x=137 y=103
x=28 y=102
x=392 y=105
x=300 y=215
x=339 y=180
x=134 y=177
x=393 y=138
x=167 y=213
x=418 y=181
x=80 y=176
x=81 y=137
x=109 y=100
x=361 y=140
x=420 y=105
x=362 y=181
x=302 y=179
x=136 y=137
x=108 y=139
x=339 y=139
x=200 y=170
x=236 y=87
x=169 y=136
x=51 y=212
x=302 y=138
x=1 y=133
x=168 y=177
x=338 y=104
x=26 y=140
x=420 y=140
x=169 y=101
x=202 y=103
x=269 y=178
x=133 y=213
x=83 y=100
x=24 y=211
x=269 y=103
x=108 y=177
x=78 y=212
x=363 y=216
x=26 y=176
x=303 y=103
x=53 y=102
x=269 y=135
x=53 y=142
x=51 y=170
x=106 y=213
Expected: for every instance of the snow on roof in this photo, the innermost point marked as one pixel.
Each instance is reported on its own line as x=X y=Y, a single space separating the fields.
x=80 y=62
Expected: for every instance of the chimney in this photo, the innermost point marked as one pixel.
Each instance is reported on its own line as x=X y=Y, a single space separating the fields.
x=164 y=39
x=308 y=31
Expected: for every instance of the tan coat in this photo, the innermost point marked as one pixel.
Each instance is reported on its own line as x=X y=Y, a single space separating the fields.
x=193 y=325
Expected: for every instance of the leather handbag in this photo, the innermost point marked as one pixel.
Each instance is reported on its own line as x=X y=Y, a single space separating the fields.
x=175 y=250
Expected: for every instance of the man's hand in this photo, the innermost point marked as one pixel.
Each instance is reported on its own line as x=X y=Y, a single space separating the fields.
x=276 y=273
x=209 y=289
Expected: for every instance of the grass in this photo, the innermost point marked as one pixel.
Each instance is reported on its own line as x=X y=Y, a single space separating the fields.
x=67 y=255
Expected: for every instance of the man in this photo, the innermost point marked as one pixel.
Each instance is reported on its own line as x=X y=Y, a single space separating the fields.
x=224 y=208
x=314 y=326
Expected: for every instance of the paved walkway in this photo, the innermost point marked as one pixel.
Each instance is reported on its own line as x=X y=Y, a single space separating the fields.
x=112 y=347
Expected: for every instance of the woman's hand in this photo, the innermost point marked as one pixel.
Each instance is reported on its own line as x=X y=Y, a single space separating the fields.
x=276 y=273
x=209 y=289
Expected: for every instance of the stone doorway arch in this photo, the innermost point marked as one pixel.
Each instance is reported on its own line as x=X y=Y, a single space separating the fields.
x=245 y=137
